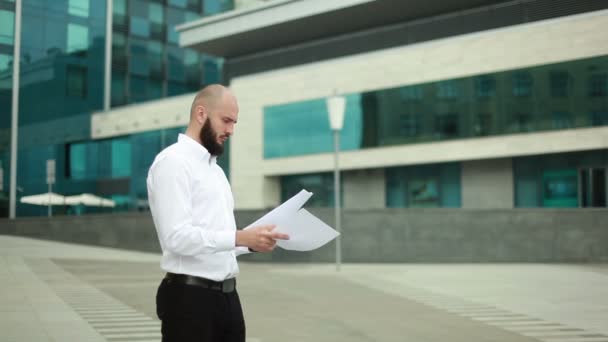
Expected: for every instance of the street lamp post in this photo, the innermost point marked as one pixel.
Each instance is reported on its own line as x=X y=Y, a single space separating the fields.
x=15 y=112
x=335 y=108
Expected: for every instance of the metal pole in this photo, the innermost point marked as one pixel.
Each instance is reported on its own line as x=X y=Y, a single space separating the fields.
x=15 y=111
x=337 y=198
x=50 y=211
x=108 y=57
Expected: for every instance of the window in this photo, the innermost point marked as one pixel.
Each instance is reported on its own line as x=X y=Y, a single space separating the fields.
x=522 y=83
x=155 y=55
x=522 y=122
x=77 y=161
x=446 y=125
x=174 y=17
x=560 y=83
x=423 y=193
x=118 y=89
x=138 y=8
x=598 y=85
x=5 y=62
x=212 y=70
x=599 y=118
x=78 y=37
x=140 y=27
x=178 y=3
x=76 y=81
x=176 y=70
x=321 y=184
x=195 y=5
x=447 y=90
x=140 y=61
x=483 y=124
x=409 y=125
x=217 y=6
x=433 y=185
x=560 y=188
x=84 y=160
x=78 y=8
x=121 y=158
x=485 y=86
x=562 y=120
x=411 y=93
x=119 y=7
x=156 y=13
x=119 y=19
x=7 y=27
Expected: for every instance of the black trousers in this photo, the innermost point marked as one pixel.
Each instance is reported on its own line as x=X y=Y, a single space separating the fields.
x=191 y=313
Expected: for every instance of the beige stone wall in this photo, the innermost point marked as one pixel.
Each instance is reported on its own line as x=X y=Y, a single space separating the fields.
x=487 y=184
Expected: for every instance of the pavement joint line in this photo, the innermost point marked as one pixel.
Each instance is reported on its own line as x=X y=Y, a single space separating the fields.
x=128 y=329
x=106 y=311
x=547 y=334
x=118 y=316
x=146 y=335
x=86 y=302
x=468 y=309
x=524 y=329
x=110 y=313
x=488 y=315
x=521 y=318
x=126 y=324
x=132 y=319
x=531 y=322
x=580 y=339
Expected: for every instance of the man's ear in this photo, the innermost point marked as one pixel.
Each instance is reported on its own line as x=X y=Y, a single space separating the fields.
x=201 y=114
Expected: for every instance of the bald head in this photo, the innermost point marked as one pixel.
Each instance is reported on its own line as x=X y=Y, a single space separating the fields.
x=213 y=114
x=209 y=98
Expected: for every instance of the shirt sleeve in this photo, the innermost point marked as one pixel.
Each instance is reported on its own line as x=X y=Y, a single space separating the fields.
x=170 y=189
x=240 y=250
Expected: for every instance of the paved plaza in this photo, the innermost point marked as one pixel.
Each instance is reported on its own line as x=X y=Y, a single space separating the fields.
x=55 y=291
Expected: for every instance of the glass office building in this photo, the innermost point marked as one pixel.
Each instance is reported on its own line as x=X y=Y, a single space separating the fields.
x=469 y=104
x=62 y=83
x=551 y=97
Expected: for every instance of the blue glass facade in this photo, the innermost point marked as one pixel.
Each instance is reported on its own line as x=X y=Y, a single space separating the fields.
x=419 y=186
x=424 y=186
x=62 y=83
x=147 y=61
x=548 y=97
x=312 y=134
x=320 y=184
x=561 y=180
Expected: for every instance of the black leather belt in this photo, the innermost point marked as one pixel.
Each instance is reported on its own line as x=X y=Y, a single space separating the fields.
x=225 y=286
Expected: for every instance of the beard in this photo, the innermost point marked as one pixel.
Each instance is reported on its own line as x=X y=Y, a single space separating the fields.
x=208 y=138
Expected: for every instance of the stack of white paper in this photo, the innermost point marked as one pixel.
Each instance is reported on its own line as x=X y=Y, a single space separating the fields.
x=306 y=232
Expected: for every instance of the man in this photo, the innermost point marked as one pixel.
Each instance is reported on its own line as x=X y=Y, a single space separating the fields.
x=192 y=208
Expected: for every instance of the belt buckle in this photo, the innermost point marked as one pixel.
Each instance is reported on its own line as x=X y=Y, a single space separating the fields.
x=228 y=285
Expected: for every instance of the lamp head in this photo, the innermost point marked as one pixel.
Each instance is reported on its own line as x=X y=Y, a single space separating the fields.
x=335 y=108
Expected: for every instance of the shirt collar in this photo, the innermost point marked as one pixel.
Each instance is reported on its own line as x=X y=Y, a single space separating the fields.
x=196 y=148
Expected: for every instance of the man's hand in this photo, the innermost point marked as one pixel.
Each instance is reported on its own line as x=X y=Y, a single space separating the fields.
x=260 y=238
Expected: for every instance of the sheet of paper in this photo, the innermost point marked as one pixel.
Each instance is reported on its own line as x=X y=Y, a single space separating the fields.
x=281 y=214
x=306 y=231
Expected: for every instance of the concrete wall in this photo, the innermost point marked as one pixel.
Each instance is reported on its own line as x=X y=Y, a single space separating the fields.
x=487 y=184
x=381 y=235
x=550 y=41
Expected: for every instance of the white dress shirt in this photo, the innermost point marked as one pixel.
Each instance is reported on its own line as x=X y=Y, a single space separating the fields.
x=192 y=207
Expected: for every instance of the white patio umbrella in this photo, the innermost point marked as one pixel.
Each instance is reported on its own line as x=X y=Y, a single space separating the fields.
x=49 y=198
x=89 y=200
